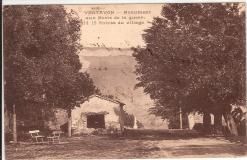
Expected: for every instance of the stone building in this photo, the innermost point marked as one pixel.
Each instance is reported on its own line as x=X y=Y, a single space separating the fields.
x=97 y=112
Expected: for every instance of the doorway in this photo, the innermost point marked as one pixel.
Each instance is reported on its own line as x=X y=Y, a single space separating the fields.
x=96 y=121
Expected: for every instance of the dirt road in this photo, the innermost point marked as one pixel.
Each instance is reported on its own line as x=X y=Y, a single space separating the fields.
x=128 y=147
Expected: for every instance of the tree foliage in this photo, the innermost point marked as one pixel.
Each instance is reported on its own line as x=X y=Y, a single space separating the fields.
x=194 y=58
x=41 y=62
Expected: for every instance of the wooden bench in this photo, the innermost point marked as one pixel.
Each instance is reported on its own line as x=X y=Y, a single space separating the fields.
x=36 y=137
x=55 y=137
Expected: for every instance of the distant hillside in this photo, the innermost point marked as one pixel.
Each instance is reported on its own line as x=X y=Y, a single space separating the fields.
x=114 y=75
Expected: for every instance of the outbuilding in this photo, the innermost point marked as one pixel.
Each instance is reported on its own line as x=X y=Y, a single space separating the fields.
x=97 y=113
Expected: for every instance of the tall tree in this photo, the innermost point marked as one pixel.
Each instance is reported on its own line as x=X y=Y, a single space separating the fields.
x=195 y=59
x=41 y=62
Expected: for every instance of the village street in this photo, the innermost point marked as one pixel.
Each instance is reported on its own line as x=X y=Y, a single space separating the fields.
x=148 y=146
x=124 y=80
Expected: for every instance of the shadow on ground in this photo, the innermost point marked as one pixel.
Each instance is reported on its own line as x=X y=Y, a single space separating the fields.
x=148 y=144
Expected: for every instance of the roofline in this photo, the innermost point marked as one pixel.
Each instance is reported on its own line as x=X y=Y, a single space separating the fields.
x=108 y=99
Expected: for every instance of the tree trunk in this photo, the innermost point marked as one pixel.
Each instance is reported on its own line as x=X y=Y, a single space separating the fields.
x=218 y=123
x=231 y=125
x=246 y=125
x=191 y=120
x=180 y=118
x=207 y=123
x=14 y=126
x=69 y=123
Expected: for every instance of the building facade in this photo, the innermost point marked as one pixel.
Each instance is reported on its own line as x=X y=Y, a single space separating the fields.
x=97 y=112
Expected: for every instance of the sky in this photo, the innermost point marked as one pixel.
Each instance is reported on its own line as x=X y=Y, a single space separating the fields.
x=115 y=35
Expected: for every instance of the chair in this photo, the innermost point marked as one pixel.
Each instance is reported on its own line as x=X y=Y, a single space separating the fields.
x=55 y=137
x=36 y=137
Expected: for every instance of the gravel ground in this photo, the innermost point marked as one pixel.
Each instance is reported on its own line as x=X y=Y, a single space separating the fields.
x=147 y=146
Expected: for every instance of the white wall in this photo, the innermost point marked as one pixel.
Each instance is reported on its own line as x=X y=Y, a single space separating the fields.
x=94 y=104
x=194 y=118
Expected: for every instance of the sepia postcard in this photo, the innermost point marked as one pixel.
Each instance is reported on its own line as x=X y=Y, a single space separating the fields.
x=124 y=81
